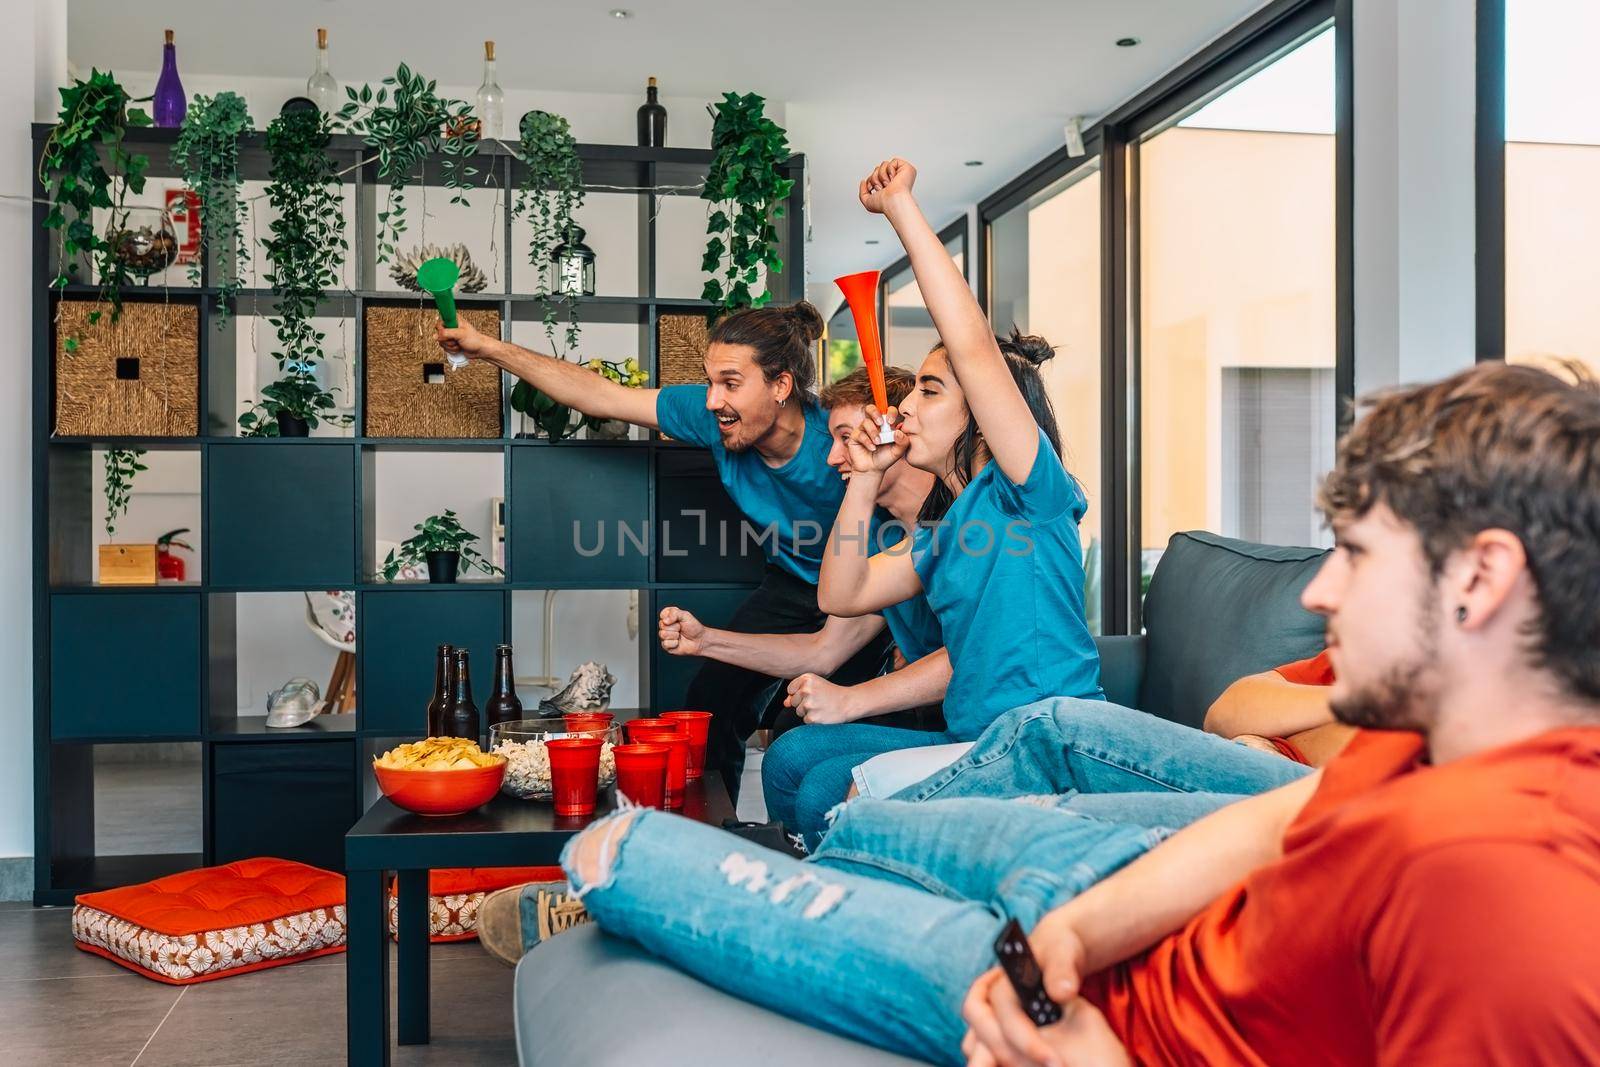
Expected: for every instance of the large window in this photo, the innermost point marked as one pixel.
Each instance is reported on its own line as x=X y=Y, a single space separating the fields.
x=1044 y=278
x=908 y=332
x=1552 y=181
x=1236 y=308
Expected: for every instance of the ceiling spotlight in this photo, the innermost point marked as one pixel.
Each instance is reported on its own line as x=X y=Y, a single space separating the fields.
x=974 y=162
x=1122 y=42
x=872 y=240
x=621 y=13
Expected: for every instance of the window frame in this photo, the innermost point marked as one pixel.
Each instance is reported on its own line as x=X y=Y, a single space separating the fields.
x=1114 y=141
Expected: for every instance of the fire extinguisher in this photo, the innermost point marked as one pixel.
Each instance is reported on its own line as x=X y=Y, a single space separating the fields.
x=169 y=567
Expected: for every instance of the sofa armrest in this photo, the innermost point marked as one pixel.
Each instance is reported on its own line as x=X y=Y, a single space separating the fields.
x=1122 y=668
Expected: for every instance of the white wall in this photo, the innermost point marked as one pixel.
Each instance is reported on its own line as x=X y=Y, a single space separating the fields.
x=28 y=81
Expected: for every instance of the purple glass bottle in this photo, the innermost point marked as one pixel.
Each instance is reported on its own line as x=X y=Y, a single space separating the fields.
x=170 y=105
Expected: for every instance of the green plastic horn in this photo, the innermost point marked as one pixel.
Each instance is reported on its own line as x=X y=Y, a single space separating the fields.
x=438 y=277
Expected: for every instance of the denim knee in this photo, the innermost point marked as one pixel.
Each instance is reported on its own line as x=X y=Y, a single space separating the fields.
x=783 y=771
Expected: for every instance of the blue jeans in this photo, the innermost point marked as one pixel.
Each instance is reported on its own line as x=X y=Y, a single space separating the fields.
x=806 y=772
x=1107 y=762
x=878 y=935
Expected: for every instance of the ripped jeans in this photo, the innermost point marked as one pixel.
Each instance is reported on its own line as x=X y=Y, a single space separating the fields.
x=879 y=933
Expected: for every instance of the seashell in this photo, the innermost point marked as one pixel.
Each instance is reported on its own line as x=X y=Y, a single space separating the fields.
x=588 y=689
x=404 y=268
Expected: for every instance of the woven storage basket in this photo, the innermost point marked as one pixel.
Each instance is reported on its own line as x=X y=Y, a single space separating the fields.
x=681 y=349
x=136 y=377
x=401 y=402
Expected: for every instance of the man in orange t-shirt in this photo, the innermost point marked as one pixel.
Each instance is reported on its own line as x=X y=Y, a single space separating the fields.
x=1457 y=838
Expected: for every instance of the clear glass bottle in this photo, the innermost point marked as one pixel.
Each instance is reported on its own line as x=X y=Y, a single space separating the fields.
x=491 y=99
x=321 y=89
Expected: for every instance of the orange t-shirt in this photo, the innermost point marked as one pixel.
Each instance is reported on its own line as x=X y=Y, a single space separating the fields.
x=1318 y=670
x=1419 y=915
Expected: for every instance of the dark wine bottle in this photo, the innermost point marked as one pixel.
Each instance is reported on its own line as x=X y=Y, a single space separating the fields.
x=461 y=718
x=502 y=705
x=443 y=667
x=652 y=120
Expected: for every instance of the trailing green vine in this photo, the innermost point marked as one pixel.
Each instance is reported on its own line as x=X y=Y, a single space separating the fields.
x=207 y=156
x=746 y=185
x=121 y=465
x=404 y=121
x=94 y=114
x=304 y=253
x=550 y=192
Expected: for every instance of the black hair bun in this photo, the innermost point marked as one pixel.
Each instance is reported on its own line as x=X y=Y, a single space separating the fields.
x=1030 y=347
x=806 y=320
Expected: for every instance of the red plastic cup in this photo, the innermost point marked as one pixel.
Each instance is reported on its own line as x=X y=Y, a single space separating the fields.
x=574 y=773
x=677 y=745
x=642 y=773
x=697 y=724
x=587 y=721
x=632 y=726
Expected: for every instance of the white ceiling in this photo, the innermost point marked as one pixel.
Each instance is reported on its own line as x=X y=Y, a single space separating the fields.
x=937 y=81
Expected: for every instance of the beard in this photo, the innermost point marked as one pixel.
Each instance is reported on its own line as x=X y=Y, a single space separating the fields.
x=1405 y=693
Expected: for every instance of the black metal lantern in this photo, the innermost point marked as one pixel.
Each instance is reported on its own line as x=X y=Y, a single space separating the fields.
x=572 y=266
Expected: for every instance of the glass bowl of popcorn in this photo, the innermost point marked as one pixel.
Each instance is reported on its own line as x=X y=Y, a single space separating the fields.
x=522 y=743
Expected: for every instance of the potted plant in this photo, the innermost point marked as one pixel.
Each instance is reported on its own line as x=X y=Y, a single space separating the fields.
x=292 y=406
x=550 y=192
x=444 y=544
x=94 y=113
x=404 y=121
x=207 y=155
x=625 y=373
x=747 y=189
x=549 y=418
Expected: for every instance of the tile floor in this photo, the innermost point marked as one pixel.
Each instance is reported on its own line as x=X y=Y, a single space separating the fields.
x=62 y=1006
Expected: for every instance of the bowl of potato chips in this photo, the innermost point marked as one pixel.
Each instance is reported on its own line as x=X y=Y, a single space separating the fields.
x=439 y=775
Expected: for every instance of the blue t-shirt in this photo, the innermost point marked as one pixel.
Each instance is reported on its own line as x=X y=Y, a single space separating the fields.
x=790 y=508
x=1004 y=573
x=914 y=627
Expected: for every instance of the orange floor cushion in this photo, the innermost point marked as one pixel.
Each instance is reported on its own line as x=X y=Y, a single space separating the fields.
x=454 y=894
x=215 y=921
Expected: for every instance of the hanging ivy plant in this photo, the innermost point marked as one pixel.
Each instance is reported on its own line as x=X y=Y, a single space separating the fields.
x=306 y=247
x=94 y=115
x=550 y=192
x=121 y=465
x=405 y=121
x=207 y=156
x=297 y=394
x=747 y=188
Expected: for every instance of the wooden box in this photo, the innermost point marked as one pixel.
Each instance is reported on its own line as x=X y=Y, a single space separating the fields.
x=127 y=564
x=410 y=391
x=136 y=377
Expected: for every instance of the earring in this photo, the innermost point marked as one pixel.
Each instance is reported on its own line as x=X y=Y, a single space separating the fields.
x=783 y=402
x=1461 y=614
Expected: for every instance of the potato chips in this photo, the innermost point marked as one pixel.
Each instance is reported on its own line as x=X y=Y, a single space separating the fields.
x=437 y=754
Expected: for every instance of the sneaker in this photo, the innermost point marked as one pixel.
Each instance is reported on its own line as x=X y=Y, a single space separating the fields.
x=513 y=920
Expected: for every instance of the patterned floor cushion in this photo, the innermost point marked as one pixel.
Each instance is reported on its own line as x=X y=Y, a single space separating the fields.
x=455 y=893
x=215 y=921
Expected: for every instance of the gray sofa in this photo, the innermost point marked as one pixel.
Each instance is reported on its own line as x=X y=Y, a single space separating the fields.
x=1217 y=609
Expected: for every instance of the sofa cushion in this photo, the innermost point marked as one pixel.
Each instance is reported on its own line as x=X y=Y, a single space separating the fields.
x=1217 y=610
x=215 y=921
x=572 y=990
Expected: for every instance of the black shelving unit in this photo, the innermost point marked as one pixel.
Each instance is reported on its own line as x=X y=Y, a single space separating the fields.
x=122 y=665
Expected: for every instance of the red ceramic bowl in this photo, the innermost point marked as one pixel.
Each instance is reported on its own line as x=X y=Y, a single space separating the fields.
x=449 y=792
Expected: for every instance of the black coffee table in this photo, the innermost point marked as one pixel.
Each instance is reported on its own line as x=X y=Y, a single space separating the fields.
x=503 y=833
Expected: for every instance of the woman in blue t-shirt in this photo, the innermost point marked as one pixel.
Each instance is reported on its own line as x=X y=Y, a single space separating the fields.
x=996 y=549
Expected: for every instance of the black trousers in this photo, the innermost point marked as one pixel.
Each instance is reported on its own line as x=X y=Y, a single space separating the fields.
x=742 y=701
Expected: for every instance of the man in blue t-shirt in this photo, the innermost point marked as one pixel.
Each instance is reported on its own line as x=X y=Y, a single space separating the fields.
x=759 y=416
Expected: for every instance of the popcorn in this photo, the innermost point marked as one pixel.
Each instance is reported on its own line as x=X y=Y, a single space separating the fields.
x=528 y=768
